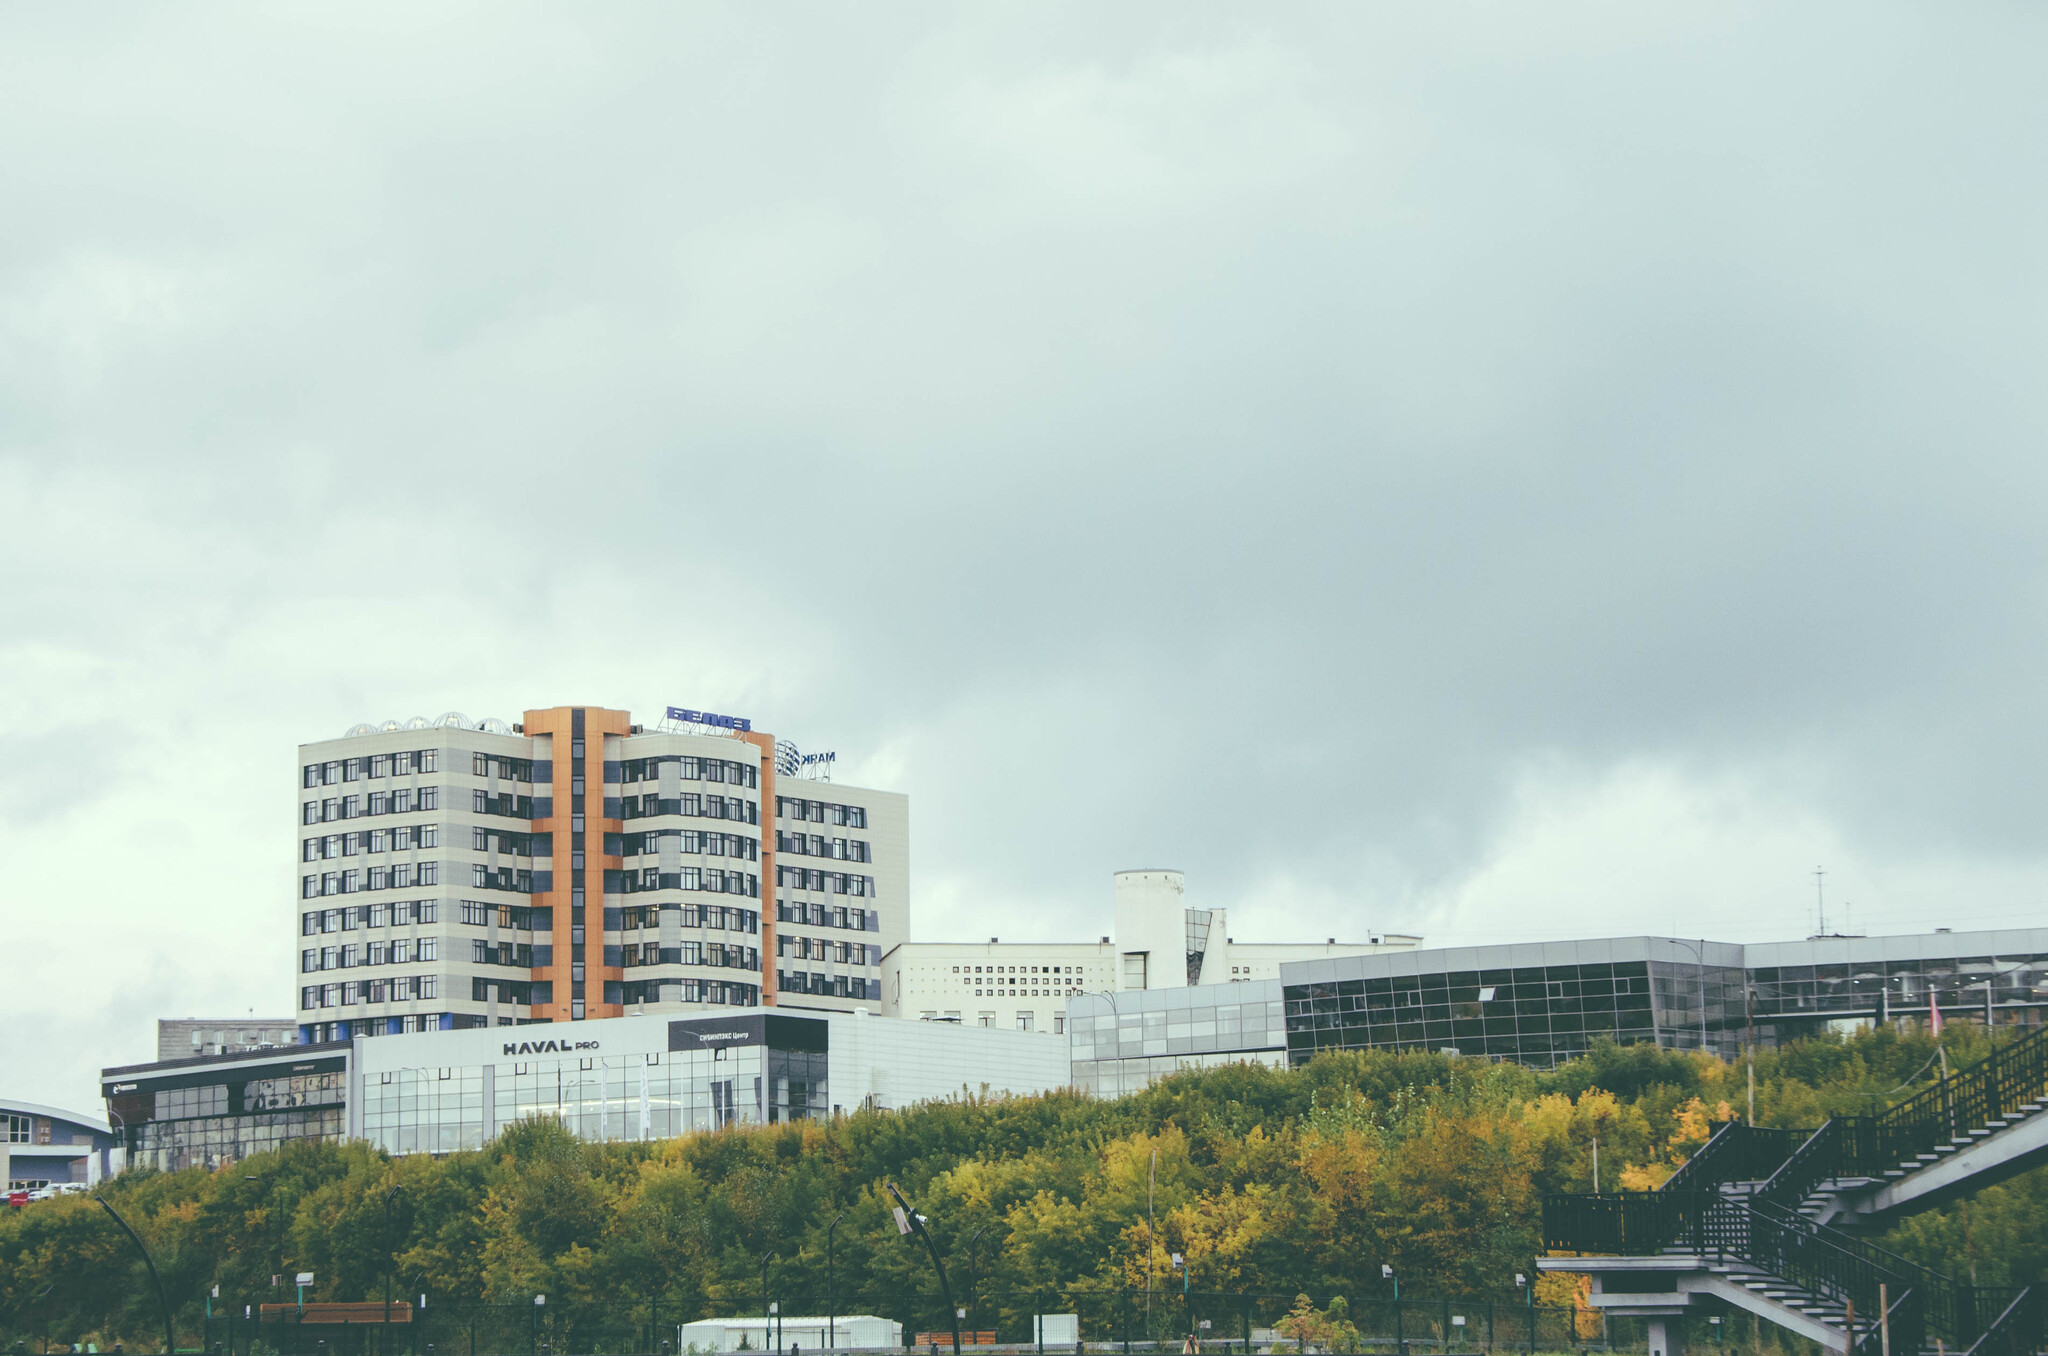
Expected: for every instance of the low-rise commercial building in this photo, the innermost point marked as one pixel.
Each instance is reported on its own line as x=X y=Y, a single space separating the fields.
x=207 y=1111
x=1541 y=1003
x=1123 y=1041
x=642 y=1078
x=42 y=1147
x=635 y=1078
x=1160 y=944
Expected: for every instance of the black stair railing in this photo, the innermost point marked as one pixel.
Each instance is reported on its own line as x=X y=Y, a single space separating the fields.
x=1626 y=1223
x=1812 y=1163
x=1775 y=1241
x=1843 y=1267
x=2020 y=1329
x=1735 y=1153
x=1993 y=1089
x=1765 y=1230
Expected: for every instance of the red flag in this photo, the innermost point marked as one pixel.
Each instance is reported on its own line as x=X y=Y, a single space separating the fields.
x=1934 y=1012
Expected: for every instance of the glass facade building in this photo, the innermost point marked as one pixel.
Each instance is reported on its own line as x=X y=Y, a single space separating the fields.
x=1541 y=1003
x=209 y=1111
x=652 y=1077
x=1802 y=987
x=1122 y=1041
x=1538 y=1003
x=744 y=1070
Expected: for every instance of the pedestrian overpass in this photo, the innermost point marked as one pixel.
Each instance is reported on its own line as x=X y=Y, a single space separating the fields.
x=1772 y=1222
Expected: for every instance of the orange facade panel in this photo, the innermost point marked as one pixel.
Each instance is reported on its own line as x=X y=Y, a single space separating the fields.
x=577 y=789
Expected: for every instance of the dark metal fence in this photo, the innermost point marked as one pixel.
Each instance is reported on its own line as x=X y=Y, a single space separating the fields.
x=1112 y=1321
x=2021 y=1327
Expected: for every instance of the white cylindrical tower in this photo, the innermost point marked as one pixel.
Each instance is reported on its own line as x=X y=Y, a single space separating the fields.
x=1151 y=930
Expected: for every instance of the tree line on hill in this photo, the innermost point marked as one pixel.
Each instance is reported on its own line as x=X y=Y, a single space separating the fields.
x=1307 y=1181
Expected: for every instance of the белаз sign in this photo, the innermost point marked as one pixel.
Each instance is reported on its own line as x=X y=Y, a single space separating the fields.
x=740 y=723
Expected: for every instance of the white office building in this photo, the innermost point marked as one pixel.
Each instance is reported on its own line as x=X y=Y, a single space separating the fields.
x=1160 y=943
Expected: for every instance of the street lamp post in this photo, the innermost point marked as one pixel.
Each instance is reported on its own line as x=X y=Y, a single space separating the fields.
x=766 y=1307
x=908 y=1221
x=390 y=1261
x=973 y=1270
x=831 y=1287
x=170 y=1339
x=1400 y=1338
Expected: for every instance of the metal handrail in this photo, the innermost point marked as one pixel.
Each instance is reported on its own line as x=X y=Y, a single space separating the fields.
x=1992 y=1089
x=2020 y=1329
x=1735 y=1153
x=1812 y=1163
x=1765 y=1229
x=1773 y=1239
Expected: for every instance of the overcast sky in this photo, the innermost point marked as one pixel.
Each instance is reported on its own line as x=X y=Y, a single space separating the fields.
x=1489 y=472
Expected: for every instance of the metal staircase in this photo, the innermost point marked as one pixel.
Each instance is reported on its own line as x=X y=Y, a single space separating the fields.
x=1751 y=1221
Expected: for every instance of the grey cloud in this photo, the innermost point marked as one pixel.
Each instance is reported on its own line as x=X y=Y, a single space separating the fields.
x=1251 y=442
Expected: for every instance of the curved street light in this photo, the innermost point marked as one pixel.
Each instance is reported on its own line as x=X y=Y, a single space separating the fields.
x=170 y=1338
x=909 y=1221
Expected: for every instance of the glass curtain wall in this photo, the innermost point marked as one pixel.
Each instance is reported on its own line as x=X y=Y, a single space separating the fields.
x=639 y=1096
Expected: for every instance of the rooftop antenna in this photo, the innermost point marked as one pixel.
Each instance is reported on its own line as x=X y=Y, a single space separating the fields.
x=1820 y=902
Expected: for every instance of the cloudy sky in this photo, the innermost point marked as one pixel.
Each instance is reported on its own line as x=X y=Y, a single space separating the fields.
x=1490 y=472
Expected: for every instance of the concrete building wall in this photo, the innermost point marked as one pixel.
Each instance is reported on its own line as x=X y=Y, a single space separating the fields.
x=1022 y=986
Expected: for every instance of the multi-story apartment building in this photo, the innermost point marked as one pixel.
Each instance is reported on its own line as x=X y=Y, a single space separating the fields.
x=1160 y=943
x=576 y=865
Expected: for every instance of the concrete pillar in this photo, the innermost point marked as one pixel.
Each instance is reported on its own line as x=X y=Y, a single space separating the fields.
x=1666 y=1338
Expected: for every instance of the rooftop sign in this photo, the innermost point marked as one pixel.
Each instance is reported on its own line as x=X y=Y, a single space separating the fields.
x=687 y=717
x=792 y=762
